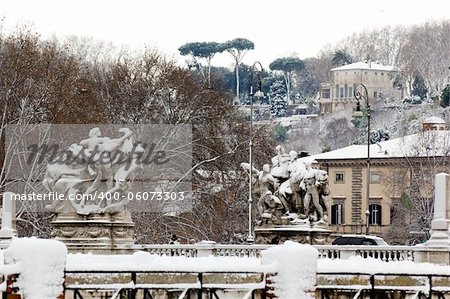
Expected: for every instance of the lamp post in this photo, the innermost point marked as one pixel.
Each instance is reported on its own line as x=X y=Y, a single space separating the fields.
x=360 y=93
x=258 y=93
x=367 y=221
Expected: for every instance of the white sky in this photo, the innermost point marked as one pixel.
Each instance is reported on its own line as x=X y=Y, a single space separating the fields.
x=278 y=28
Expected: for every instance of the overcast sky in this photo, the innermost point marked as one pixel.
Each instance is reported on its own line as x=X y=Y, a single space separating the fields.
x=277 y=27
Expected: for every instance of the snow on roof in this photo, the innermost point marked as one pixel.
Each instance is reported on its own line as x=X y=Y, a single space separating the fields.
x=361 y=65
x=429 y=143
x=434 y=120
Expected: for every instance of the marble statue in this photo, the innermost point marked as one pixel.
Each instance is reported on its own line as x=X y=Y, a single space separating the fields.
x=90 y=173
x=270 y=208
x=289 y=190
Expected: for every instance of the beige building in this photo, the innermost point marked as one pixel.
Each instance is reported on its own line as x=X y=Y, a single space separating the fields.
x=338 y=96
x=398 y=167
x=434 y=123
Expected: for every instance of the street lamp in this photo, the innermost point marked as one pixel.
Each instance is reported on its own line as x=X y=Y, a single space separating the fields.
x=257 y=94
x=367 y=221
x=360 y=93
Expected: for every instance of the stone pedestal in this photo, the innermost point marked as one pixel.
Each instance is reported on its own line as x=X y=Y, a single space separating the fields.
x=437 y=248
x=98 y=234
x=302 y=233
x=7 y=231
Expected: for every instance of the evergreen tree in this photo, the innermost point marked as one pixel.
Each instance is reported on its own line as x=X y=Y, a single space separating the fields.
x=445 y=98
x=340 y=58
x=237 y=48
x=278 y=107
x=419 y=87
x=287 y=65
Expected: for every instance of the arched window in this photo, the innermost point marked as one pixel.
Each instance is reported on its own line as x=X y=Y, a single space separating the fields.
x=346 y=91
x=375 y=214
x=337 y=91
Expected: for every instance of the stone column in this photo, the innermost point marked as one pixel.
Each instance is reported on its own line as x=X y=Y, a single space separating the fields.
x=205 y=248
x=440 y=223
x=437 y=249
x=296 y=270
x=7 y=232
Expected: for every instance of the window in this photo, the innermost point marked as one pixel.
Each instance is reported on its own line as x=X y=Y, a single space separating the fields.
x=346 y=91
x=375 y=94
x=339 y=177
x=350 y=91
x=325 y=93
x=382 y=74
x=399 y=176
x=337 y=91
x=375 y=214
x=375 y=177
x=376 y=73
x=342 y=92
x=337 y=214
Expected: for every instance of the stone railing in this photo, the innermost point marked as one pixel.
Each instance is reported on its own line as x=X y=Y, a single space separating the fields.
x=384 y=253
x=204 y=249
x=169 y=250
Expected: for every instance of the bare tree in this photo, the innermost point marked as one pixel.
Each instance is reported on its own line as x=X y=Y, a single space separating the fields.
x=412 y=184
x=152 y=89
x=40 y=82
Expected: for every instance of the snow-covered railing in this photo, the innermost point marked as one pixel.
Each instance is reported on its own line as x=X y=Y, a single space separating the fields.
x=33 y=268
x=140 y=282
x=213 y=248
x=357 y=277
x=142 y=273
x=169 y=250
x=384 y=253
x=285 y=271
x=240 y=250
x=378 y=284
x=8 y=274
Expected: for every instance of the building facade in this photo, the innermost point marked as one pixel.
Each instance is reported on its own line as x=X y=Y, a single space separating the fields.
x=401 y=185
x=338 y=96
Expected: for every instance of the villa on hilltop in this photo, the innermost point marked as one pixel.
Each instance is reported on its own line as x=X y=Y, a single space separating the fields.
x=338 y=96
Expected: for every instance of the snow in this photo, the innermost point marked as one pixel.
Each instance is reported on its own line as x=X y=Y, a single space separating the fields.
x=361 y=65
x=370 y=266
x=144 y=261
x=434 y=120
x=40 y=264
x=430 y=143
x=297 y=264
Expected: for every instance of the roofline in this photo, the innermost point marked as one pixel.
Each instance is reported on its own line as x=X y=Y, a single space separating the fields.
x=361 y=68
